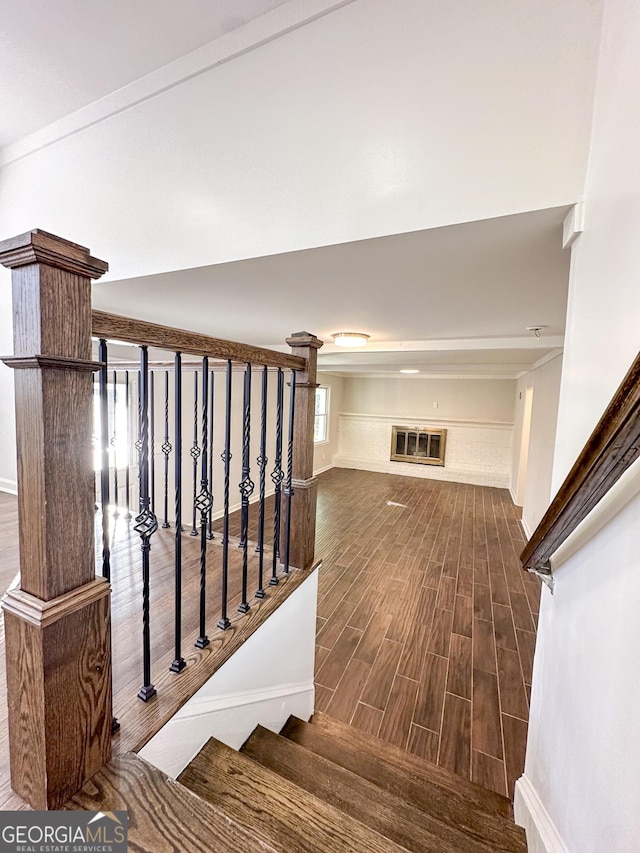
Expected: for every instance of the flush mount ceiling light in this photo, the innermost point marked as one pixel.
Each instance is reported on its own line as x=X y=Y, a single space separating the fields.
x=409 y=370
x=350 y=339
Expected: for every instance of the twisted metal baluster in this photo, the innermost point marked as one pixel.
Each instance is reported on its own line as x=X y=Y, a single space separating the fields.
x=262 y=465
x=211 y=411
x=224 y=622
x=127 y=483
x=103 y=356
x=152 y=438
x=179 y=662
x=289 y=487
x=246 y=485
x=114 y=440
x=146 y=525
x=195 y=452
x=204 y=502
x=277 y=476
x=166 y=449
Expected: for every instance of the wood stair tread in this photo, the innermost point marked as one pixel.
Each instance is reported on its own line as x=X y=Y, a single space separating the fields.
x=439 y=831
x=481 y=798
x=164 y=816
x=277 y=811
x=403 y=774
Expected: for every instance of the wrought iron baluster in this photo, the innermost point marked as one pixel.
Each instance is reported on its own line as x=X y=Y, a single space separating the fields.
x=224 y=622
x=127 y=477
x=103 y=356
x=114 y=445
x=289 y=487
x=146 y=525
x=262 y=465
x=152 y=438
x=246 y=485
x=166 y=449
x=211 y=424
x=277 y=476
x=195 y=452
x=179 y=662
x=204 y=503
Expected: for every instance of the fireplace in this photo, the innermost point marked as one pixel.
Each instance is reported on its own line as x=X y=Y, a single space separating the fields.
x=415 y=444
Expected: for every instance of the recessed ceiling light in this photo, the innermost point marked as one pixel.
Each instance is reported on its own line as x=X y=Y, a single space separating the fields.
x=350 y=339
x=409 y=370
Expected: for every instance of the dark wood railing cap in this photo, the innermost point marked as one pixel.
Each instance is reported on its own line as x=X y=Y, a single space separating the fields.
x=40 y=247
x=612 y=447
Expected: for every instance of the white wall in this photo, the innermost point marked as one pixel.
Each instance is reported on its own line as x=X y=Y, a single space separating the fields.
x=477 y=414
x=269 y=678
x=325 y=451
x=545 y=382
x=457 y=399
x=583 y=754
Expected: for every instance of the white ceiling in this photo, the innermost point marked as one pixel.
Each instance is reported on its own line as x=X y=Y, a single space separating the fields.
x=455 y=299
x=401 y=168
x=57 y=57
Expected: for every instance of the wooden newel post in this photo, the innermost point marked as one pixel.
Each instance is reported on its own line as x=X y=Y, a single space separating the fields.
x=57 y=622
x=305 y=485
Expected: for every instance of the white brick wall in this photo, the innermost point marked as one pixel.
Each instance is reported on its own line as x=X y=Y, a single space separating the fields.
x=476 y=452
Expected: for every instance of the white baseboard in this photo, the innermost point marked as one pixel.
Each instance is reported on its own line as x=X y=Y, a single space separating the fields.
x=525 y=527
x=10 y=486
x=323 y=469
x=529 y=812
x=514 y=497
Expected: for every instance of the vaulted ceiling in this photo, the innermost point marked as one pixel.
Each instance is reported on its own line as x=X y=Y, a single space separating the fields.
x=252 y=168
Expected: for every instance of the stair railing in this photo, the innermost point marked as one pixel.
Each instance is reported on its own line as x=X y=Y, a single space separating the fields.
x=612 y=447
x=57 y=622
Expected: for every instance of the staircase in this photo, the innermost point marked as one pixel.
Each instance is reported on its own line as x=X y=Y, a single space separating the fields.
x=325 y=786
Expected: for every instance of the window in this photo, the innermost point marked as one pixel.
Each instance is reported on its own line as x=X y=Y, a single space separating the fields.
x=321 y=423
x=119 y=445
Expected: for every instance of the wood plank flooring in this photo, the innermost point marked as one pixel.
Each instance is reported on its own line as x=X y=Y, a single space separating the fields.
x=426 y=623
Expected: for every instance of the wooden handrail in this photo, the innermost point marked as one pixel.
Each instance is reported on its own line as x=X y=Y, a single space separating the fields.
x=140 y=333
x=612 y=447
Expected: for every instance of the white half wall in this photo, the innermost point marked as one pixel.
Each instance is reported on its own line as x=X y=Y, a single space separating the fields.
x=269 y=678
x=477 y=414
x=8 y=471
x=583 y=750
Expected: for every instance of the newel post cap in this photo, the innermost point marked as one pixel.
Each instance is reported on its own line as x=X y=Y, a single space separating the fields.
x=304 y=339
x=40 y=247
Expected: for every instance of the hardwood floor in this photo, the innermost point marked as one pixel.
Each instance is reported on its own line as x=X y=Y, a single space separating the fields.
x=426 y=623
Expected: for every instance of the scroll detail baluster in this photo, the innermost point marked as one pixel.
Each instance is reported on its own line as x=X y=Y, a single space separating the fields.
x=145 y=525
x=195 y=452
x=277 y=476
x=246 y=485
x=166 y=449
x=204 y=503
x=179 y=662
x=224 y=622
x=262 y=465
x=289 y=487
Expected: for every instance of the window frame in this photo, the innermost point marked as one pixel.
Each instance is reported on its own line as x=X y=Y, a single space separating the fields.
x=324 y=415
